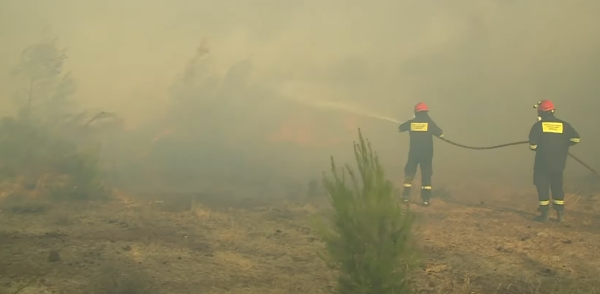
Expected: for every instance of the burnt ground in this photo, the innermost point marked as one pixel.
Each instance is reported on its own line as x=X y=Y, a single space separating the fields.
x=471 y=244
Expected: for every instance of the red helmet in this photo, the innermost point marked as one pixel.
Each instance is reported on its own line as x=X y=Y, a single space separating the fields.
x=420 y=107
x=545 y=106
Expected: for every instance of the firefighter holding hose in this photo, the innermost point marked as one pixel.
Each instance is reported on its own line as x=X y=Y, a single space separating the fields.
x=421 y=129
x=550 y=138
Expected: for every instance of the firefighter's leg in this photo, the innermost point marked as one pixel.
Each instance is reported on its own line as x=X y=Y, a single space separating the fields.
x=558 y=194
x=426 y=173
x=410 y=170
x=541 y=180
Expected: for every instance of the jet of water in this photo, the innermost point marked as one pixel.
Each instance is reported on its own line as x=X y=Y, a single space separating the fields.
x=345 y=108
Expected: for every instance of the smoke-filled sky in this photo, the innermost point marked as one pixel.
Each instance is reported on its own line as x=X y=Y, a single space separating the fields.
x=479 y=64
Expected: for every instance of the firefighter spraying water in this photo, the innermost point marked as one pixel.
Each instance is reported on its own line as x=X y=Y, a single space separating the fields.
x=550 y=137
x=421 y=129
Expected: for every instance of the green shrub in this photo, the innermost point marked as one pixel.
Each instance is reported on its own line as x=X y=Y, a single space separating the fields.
x=369 y=238
x=84 y=178
x=44 y=163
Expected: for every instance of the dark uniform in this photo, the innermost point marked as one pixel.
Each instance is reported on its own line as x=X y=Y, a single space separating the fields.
x=421 y=129
x=550 y=138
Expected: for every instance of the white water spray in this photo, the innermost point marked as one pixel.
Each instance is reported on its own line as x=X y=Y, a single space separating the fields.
x=345 y=108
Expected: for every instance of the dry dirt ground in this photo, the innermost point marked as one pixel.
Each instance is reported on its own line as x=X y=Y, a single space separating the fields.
x=189 y=244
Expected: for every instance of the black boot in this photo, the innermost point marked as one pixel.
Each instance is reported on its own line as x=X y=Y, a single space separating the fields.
x=543 y=217
x=559 y=215
x=426 y=196
x=406 y=194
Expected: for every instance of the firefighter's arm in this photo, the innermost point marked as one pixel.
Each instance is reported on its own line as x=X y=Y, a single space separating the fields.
x=534 y=136
x=404 y=127
x=573 y=135
x=436 y=131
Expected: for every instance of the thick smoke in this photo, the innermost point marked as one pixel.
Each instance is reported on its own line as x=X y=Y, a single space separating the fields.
x=479 y=64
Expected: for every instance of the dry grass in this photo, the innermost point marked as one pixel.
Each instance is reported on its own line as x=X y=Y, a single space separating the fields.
x=23 y=205
x=114 y=281
x=524 y=286
x=469 y=247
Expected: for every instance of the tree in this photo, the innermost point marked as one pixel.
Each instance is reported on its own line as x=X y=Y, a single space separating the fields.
x=43 y=91
x=49 y=148
x=193 y=94
x=369 y=236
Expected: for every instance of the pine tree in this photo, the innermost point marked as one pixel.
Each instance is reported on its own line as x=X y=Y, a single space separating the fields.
x=369 y=238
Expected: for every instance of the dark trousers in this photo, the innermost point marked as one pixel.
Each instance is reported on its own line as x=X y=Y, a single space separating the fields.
x=546 y=182
x=425 y=162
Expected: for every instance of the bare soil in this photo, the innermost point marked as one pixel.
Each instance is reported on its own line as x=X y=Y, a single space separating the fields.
x=211 y=244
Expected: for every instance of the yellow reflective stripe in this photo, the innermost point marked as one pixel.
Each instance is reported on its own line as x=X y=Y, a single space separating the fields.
x=559 y=202
x=575 y=140
x=426 y=187
x=407 y=185
x=532 y=146
x=545 y=203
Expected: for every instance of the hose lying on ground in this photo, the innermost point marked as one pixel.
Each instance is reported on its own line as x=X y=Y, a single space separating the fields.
x=513 y=144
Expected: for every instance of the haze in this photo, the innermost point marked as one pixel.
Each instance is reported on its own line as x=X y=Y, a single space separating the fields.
x=480 y=65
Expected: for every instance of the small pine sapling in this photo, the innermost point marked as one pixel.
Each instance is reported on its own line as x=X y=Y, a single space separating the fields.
x=369 y=237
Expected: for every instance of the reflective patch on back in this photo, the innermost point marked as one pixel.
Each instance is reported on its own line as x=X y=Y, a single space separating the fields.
x=552 y=127
x=419 y=127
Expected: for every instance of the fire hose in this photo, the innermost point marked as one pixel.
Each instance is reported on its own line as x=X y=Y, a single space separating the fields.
x=513 y=144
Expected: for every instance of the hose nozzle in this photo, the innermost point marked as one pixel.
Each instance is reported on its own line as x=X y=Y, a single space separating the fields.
x=537 y=104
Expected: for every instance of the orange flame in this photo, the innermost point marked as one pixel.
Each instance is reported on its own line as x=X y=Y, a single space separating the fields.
x=295 y=133
x=301 y=129
x=351 y=123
